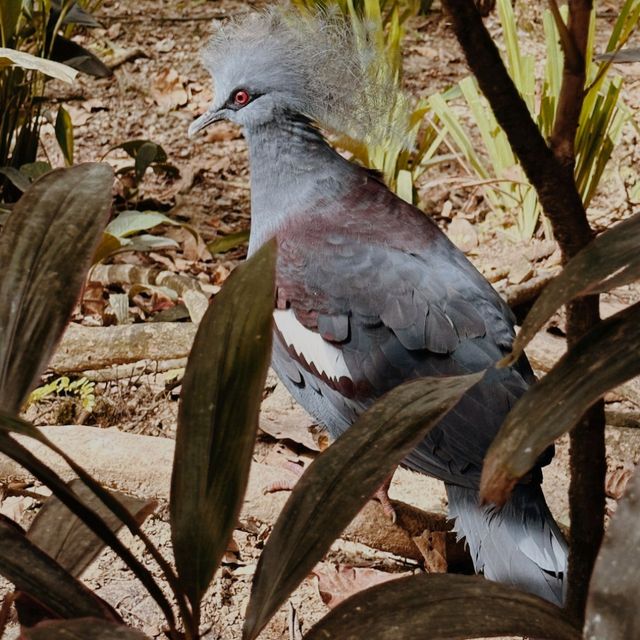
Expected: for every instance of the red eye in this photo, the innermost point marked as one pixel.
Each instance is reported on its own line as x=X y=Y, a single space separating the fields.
x=241 y=98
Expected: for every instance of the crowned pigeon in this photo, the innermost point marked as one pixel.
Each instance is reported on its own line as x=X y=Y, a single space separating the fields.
x=370 y=292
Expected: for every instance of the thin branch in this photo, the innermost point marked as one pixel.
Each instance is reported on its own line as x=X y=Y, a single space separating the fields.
x=569 y=45
x=573 y=81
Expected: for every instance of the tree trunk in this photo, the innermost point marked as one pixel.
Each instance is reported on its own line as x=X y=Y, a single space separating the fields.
x=550 y=169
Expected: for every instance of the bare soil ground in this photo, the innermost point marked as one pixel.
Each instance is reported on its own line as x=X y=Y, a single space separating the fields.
x=159 y=86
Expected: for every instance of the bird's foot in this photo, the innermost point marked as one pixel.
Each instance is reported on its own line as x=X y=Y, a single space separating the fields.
x=382 y=496
x=285 y=484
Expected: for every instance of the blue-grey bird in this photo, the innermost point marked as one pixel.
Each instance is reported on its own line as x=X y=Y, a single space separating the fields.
x=370 y=292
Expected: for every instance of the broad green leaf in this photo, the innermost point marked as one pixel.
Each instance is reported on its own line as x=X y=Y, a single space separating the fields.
x=33 y=572
x=218 y=418
x=81 y=629
x=610 y=261
x=132 y=147
x=46 y=247
x=11 y=57
x=64 y=537
x=222 y=244
x=74 y=55
x=338 y=484
x=130 y=222
x=145 y=156
x=64 y=134
x=604 y=358
x=440 y=607
x=14 y=450
x=614 y=591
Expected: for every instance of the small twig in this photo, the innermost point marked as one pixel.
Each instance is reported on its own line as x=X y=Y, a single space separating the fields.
x=569 y=47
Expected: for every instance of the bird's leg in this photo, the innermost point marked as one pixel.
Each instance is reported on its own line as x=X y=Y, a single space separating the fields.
x=382 y=496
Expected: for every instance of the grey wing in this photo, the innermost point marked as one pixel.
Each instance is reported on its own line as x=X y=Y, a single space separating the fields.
x=373 y=317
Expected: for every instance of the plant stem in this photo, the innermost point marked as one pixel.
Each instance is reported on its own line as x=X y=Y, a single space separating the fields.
x=550 y=170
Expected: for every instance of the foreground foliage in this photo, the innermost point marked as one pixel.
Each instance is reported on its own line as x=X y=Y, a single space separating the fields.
x=46 y=247
x=35 y=46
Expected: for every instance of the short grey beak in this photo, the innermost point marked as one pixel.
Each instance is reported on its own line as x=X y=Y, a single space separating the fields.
x=204 y=120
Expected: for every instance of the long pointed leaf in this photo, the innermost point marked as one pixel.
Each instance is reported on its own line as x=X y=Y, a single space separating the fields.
x=610 y=261
x=62 y=535
x=47 y=476
x=11 y=57
x=45 y=250
x=614 y=593
x=218 y=419
x=440 y=607
x=81 y=629
x=32 y=571
x=339 y=482
x=604 y=358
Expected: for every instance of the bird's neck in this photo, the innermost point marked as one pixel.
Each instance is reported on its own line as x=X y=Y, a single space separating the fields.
x=293 y=171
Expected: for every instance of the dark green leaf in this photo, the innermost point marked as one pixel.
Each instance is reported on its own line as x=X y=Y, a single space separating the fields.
x=75 y=14
x=64 y=134
x=35 y=170
x=146 y=154
x=610 y=261
x=9 y=15
x=133 y=146
x=61 y=534
x=77 y=57
x=81 y=629
x=32 y=571
x=340 y=481
x=218 y=418
x=604 y=358
x=13 y=449
x=17 y=178
x=614 y=592
x=46 y=248
x=440 y=607
x=166 y=169
x=222 y=244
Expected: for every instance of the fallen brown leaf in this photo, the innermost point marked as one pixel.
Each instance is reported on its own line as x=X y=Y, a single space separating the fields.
x=433 y=547
x=337 y=583
x=168 y=91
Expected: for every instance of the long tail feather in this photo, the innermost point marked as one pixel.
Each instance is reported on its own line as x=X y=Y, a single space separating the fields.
x=519 y=544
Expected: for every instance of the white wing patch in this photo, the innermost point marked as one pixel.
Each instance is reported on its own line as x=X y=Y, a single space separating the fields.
x=326 y=358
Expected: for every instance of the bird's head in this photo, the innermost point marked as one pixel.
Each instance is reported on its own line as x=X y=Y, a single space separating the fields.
x=314 y=64
x=255 y=73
